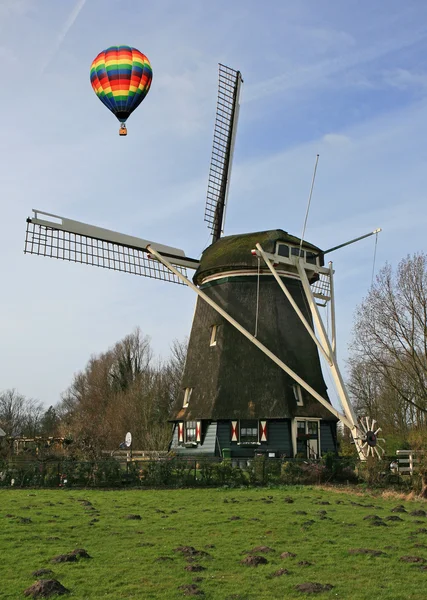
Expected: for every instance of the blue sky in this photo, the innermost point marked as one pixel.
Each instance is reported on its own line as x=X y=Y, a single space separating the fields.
x=347 y=80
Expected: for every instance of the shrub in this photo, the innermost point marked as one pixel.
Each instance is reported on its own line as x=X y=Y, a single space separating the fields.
x=291 y=473
x=373 y=472
x=339 y=469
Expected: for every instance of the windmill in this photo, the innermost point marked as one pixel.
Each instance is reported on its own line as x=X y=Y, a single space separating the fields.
x=252 y=380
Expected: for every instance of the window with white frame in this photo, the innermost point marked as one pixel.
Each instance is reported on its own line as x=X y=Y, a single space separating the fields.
x=283 y=250
x=214 y=332
x=298 y=394
x=306 y=255
x=248 y=432
x=297 y=252
x=190 y=431
x=187 y=396
x=311 y=258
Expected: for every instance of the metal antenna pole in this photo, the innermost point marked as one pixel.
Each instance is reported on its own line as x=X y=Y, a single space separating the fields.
x=309 y=202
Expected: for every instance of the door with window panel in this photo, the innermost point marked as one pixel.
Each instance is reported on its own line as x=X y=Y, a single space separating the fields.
x=307 y=439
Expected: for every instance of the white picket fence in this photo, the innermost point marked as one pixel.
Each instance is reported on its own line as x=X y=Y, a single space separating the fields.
x=406 y=462
x=135 y=455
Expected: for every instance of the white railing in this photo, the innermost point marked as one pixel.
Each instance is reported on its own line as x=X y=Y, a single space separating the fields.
x=135 y=454
x=406 y=462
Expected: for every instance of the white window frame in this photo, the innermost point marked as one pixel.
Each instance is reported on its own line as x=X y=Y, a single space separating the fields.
x=247 y=442
x=295 y=432
x=214 y=334
x=292 y=256
x=187 y=396
x=298 y=394
x=186 y=429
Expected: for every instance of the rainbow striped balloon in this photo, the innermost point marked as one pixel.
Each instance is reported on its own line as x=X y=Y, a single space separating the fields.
x=121 y=77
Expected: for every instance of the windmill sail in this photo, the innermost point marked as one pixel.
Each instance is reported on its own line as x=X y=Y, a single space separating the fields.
x=57 y=237
x=223 y=146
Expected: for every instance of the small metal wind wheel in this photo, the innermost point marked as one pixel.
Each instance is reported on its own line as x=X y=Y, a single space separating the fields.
x=369 y=437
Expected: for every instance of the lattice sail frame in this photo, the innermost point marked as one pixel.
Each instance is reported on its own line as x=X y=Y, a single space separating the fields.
x=74 y=247
x=222 y=149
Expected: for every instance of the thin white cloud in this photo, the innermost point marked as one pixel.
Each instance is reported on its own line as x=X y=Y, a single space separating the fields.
x=63 y=33
x=404 y=79
x=313 y=74
x=336 y=139
x=10 y=8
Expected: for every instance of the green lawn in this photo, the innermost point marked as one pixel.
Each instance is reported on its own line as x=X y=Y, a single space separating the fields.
x=226 y=524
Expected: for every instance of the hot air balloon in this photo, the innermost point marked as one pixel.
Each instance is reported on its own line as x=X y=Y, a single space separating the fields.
x=121 y=77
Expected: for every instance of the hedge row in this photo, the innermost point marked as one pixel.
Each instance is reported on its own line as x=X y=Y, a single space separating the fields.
x=179 y=472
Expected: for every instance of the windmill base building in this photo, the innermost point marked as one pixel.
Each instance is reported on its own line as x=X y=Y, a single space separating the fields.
x=235 y=400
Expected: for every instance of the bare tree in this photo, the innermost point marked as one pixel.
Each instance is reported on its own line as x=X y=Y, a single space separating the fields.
x=20 y=415
x=122 y=390
x=389 y=353
x=132 y=356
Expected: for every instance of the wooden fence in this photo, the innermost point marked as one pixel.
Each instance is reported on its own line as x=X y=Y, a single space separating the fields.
x=406 y=462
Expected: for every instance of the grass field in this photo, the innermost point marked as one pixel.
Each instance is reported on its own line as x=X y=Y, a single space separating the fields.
x=136 y=558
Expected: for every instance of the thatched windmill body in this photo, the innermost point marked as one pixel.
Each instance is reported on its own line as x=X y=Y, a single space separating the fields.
x=253 y=380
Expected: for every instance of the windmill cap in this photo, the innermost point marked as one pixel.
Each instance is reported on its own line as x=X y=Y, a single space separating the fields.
x=234 y=252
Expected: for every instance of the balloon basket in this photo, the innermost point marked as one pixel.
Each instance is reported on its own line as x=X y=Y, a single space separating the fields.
x=123 y=130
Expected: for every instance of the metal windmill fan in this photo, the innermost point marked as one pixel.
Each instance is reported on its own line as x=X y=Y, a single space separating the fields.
x=370 y=439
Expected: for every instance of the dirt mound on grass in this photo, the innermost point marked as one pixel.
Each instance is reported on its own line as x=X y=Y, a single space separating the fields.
x=287 y=555
x=418 y=513
x=190 y=551
x=42 y=572
x=80 y=553
x=45 y=588
x=191 y=590
x=393 y=518
x=71 y=556
x=254 y=561
x=313 y=588
x=399 y=509
x=61 y=558
x=366 y=551
x=412 y=559
x=279 y=573
x=133 y=517
x=195 y=568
